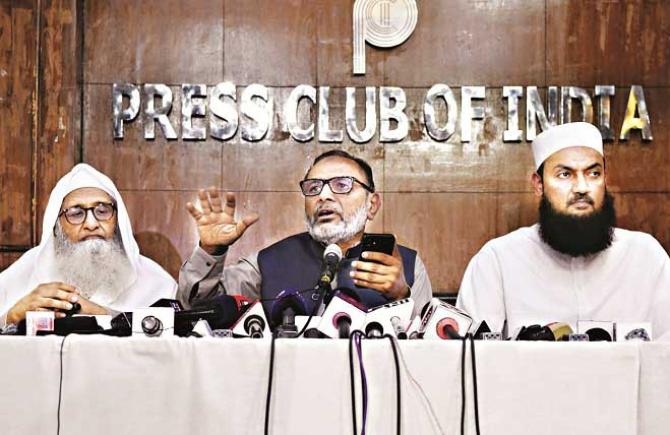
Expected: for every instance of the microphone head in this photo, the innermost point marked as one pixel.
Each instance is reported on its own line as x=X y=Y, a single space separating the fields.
x=289 y=298
x=560 y=330
x=332 y=254
x=598 y=334
x=225 y=311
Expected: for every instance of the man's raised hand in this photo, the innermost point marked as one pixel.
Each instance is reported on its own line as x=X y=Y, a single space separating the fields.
x=216 y=222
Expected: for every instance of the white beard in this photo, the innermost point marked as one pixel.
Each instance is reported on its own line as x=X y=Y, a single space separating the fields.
x=98 y=268
x=336 y=232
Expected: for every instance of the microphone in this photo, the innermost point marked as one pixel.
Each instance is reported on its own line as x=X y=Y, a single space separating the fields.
x=220 y=312
x=331 y=260
x=535 y=333
x=342 y=315
x=633 y=331
x=596 y=330
x=288 y=304
x=560 y=330
x=392 y=318
x=443 y=321
x=253 y=323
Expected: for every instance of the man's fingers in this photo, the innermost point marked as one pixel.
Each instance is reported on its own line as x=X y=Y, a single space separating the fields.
x=385 y=259
x=62 y=295
x=371 y=285
x=246 y=222
x=372 y=267
x=204 y=201
x=215 y=200
x=197 y=214
x=230 y=204
x=369 y=277
x=54 y=303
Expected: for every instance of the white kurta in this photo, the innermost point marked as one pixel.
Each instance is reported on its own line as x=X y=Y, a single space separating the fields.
x=147 y=283
x=520 y=278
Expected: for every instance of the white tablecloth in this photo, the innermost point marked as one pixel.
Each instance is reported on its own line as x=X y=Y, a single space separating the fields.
x=218 y=386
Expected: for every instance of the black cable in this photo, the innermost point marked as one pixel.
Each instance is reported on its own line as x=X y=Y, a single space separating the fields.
x=463 y=387
x=353 y=382
x=60 y=386
x=313 y=313
x=397 y=384
x=268 y=399
x=474 y=380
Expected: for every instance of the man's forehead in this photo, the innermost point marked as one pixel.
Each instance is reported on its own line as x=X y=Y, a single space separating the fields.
x=86 y=196
x=336 y=166
x=575 y=156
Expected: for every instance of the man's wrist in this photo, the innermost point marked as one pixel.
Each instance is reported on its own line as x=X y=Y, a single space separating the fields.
x=214 y=250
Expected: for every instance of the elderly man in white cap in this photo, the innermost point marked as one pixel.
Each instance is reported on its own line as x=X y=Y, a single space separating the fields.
x=574 y=264
x=87 y=255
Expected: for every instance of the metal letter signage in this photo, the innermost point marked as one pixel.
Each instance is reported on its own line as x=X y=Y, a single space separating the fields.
x=382 y=23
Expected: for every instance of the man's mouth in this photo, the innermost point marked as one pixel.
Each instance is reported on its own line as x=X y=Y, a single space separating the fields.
x=326 y=214
x=93 y=237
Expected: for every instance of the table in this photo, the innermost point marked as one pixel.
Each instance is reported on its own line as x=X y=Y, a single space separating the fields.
x=218 y=386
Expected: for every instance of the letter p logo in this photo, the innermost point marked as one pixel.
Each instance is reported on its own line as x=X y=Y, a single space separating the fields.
x=382 y=23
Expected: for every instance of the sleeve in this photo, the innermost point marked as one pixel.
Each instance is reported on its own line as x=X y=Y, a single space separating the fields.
x=203 y=276
x=421 y=291
x=661 y=305
x=481 y=292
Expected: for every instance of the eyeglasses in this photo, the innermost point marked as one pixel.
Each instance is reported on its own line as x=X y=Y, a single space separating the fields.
x=102 y=212
x=340 y=185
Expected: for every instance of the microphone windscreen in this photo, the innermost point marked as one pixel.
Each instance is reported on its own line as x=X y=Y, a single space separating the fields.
x=598 y=334
x=536 y=333
x=332 y=251
x=225 y=311
x=289 y=298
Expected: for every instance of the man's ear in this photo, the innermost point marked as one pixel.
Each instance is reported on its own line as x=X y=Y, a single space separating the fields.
x=538 y=185
x=375 y=201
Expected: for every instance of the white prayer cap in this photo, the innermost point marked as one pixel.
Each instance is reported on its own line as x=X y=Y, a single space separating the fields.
x=572 y=134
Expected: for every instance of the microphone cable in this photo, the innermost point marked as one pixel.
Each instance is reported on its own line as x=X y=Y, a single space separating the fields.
x=397 y=383
x=463 y=385
x=355 y=338
x=268 y=398
x=473 y=360
x=60 y=385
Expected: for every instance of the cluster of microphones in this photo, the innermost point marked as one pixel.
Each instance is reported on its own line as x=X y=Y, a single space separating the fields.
x=340 y=313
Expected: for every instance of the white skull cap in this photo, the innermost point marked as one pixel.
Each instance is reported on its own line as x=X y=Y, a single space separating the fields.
x=572 y=134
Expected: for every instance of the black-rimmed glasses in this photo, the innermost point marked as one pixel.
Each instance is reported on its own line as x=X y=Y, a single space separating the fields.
x=102 y=212
x=340 y=185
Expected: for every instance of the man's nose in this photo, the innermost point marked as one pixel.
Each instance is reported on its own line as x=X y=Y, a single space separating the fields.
x=326 y=193
x=91 y=223
x=581 y=185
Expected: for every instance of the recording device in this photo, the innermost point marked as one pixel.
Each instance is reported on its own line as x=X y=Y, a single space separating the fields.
x=596 y=330
x=383 y=243
x=626 y=331
x=76 y=307
x=153 y=322
x=560 y=330
x=342 y=315
x=380 y=320
x=253 y=323
x=442 y=321
x=288 y=304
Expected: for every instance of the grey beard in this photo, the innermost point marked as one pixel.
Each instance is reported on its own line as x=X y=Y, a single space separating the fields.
x=97 y=268
x=342 y=231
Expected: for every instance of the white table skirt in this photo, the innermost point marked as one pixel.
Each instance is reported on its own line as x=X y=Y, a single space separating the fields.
x=218 y=386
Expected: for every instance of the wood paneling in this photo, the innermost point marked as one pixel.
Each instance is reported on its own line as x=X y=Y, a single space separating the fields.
x=255 y=51
x=608 y=42
x=7 y=258
x=470 y=43
x=153 y=41
x=444 y=199
x=59 y=112
x=18 y=58
x=136 y=163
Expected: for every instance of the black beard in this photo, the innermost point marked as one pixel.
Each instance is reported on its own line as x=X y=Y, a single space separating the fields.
x=578 y=236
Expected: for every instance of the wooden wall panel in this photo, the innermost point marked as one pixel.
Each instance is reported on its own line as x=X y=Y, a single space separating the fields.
x=465 y=42
x=153 y=41
x=18 y=64
x=137 y=163
x=255 y=52
x=445 y=199
x=608 y=42
x=8 y=258
x=59 y=114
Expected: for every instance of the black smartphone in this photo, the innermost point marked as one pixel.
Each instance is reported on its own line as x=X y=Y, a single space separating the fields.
x=383 y=243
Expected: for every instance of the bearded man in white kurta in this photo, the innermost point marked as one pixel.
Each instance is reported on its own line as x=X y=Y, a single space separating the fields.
x=574 y=264
x=87 y=255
